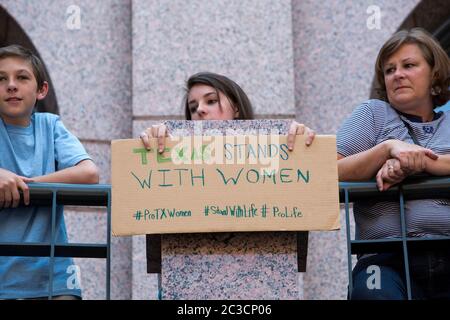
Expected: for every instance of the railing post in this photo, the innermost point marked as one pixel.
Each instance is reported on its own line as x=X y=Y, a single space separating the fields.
x=52 y=246
x=349 y=246
x=404 y=242
x=108 y=249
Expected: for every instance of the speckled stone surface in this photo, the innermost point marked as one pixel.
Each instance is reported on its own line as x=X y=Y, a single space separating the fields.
x=174 y=39
x=334 y=55
x=88 y=225
x=230 y=266
x=144 y=286
x=101 y=155
x=90 y=67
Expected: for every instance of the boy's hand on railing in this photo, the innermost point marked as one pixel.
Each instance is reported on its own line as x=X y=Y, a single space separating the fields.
x=390 y=174
x=10 y=183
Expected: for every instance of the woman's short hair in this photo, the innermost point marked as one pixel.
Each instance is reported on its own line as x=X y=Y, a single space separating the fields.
x=228 y=87
x=433 y=53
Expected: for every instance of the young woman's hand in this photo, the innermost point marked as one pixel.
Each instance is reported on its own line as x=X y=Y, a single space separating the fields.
x=158 y=131
x=299 y=129
x=390 y=174
x=10 y=183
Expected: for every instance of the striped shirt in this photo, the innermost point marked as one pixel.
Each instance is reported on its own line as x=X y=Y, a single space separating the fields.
x=372 y=123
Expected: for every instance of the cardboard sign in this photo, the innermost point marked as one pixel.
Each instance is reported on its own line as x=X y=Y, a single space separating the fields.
x=224 y=184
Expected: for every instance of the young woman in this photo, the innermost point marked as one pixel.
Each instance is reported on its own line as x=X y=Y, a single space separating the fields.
x=211 y=96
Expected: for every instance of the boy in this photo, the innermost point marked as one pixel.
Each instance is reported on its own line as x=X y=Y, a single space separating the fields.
x=34 y=147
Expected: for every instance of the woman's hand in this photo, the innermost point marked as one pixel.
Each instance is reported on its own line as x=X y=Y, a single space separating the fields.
x=158 y=131
x=412 y=157
x=10 y=183
x=390 y=174
x=299 y=129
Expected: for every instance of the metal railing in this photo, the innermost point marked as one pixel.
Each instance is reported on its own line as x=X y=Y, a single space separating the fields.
x=411 y=189
x=52 y=194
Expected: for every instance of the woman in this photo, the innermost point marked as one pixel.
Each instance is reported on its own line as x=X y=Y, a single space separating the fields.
x=391 y=139
x=210 y=96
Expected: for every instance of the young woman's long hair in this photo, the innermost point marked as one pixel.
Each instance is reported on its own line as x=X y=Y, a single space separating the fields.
x=228 y=87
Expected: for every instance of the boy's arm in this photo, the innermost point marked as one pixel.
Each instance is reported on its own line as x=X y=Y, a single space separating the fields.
x=84 y=172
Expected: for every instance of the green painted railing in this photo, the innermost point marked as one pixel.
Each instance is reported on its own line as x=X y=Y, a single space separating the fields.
x=411 y=189
x=52 y=194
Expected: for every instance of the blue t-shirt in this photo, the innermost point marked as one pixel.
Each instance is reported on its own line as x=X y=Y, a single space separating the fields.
x=45 y=146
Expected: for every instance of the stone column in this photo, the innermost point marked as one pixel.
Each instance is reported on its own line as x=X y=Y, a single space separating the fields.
x=240 y=39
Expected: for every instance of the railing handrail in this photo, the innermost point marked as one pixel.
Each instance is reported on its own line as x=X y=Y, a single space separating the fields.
x=69 y=194
x=100 y=195
x=413 y=188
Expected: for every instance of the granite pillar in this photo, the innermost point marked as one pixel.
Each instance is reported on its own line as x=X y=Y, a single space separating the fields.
x=239 y=265
x=171 y=41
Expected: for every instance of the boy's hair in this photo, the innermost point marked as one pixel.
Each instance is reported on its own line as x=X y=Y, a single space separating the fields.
x=27 y=55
